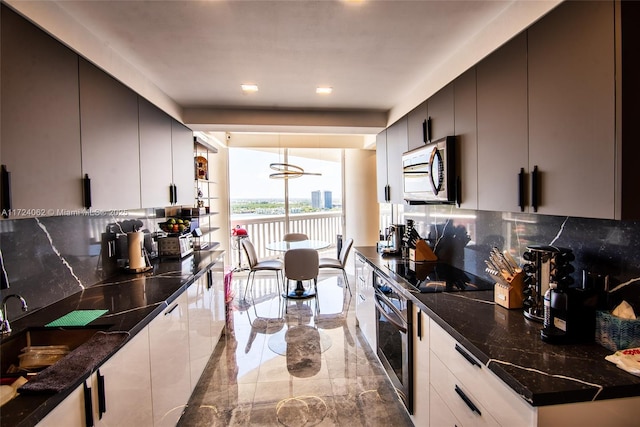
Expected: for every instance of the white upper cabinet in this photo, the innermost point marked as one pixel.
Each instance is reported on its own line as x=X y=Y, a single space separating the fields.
x=109 y=131
x=183 y=164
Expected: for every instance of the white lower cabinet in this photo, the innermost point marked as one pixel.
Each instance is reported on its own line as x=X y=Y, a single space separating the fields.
x=124 y=398
x=439 y=413
x=69 y=413
x=365 y=306
x=421 y=389
x=169 y=355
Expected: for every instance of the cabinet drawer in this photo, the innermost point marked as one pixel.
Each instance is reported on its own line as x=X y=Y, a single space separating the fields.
x=466 y=407
x=440 y=415
x=500 y=399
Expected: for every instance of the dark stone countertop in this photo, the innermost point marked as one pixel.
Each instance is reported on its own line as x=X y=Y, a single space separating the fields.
x=510 y=346
x=133 y=300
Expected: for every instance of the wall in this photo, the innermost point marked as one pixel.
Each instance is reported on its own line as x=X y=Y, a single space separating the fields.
x=47 y=259
x=464 y=238
x=360 y=209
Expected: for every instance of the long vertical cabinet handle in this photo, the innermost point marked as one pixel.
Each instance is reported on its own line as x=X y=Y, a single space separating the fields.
x=428 y=129
x=521 y=202
x=387 y=193
x=102 y=397
x=535 y=188
x=424 y=131
x=458 y=191
x=175 y=193
x=5 y=189
x=466 y=400
x=209 y=279
x=172 y=199
x=86 y=191
x=88 y=406
x=419 y=325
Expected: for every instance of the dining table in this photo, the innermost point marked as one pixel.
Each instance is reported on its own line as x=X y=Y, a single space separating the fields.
x=282 y=246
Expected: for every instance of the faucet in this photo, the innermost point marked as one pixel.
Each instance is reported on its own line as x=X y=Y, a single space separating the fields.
x=5 y=327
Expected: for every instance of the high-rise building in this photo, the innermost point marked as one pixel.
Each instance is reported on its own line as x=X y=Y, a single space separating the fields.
x=315 y=199
x=328 y=200
x=321 y=199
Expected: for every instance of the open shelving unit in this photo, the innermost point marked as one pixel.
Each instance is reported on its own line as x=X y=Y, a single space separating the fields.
x=206 y=195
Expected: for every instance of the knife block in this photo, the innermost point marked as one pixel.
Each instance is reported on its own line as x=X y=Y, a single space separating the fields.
x=422 y=252
x=510 y=296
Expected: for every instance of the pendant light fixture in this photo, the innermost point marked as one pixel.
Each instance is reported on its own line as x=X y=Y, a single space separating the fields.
x=286 y=170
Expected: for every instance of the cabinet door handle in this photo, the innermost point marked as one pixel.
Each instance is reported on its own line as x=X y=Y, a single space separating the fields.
x=88 y=406
x=175 y=193
x=424 y=131
x=467 y=356
x=428 y=130
x=535 y=190
x=419 y=325
x=458 y=190
x=209 y=279
x=468 y=401
x=521 y=189
x=102 y=397
x=86 y=191
x=387 y=193
x=5 y=189
x=172 y=194
x=170 y=310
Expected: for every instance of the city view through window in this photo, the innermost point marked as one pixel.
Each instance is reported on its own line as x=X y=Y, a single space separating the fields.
x=253 y=193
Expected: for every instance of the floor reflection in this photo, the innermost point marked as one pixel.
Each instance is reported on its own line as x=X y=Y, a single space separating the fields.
x=293 y=363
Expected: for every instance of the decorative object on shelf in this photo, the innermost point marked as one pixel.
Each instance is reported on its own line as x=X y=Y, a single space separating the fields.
x=287 y=170
x=202 y=168
x=200 y=202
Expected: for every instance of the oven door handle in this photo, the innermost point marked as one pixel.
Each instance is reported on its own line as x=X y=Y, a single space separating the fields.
x=384 y=314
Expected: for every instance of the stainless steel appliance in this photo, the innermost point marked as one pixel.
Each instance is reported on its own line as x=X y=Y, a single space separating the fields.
x=433 y=277
x=175 y=246
x=394 y=347
x=429 y=173
x=394 y=239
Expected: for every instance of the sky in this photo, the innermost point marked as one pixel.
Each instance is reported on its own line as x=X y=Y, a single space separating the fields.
x=249 y=176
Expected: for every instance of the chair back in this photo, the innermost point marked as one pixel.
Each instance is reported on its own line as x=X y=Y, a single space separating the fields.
x=344 y=252
x=301 y=264
x=295 y=237
x=250 y=251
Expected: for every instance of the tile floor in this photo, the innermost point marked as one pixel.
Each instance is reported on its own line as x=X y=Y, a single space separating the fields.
x=293 y=363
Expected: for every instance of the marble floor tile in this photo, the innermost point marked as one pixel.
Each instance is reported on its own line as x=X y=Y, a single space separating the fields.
x=293 y=363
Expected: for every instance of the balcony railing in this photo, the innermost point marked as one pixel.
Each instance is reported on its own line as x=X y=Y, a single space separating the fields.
x=263 y=229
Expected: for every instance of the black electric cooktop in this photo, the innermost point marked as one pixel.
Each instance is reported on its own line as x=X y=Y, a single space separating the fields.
x=429 y=277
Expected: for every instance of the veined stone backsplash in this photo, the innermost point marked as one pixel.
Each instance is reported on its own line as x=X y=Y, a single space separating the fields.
x=464 y=238
x=49 y=258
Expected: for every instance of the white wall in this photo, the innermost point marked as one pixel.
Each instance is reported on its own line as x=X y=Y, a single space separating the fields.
x=361 y=200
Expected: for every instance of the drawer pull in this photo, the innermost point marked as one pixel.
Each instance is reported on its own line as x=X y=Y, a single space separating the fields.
x=88 y=406
x=467 y=356
x=172 y=308
x=468 y=401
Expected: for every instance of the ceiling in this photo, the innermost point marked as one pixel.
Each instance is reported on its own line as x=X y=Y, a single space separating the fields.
x=190 y=57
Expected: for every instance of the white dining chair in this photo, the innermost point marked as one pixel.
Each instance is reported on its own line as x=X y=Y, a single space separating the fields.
x=340 y=262
x=300 y=265
x=259 y=265
x=295 y=237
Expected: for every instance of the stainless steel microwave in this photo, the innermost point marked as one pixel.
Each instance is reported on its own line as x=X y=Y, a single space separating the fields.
x=429 y=175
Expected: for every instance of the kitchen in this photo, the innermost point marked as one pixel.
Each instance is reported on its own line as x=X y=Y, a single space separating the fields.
x=605 y=246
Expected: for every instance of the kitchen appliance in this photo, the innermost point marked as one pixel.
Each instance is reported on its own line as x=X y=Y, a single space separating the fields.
x=434 y=277
x=175 y=246
x=429 y=173
x=138 y=261
x=394 y=346
x=545 y=265
x=394 y=240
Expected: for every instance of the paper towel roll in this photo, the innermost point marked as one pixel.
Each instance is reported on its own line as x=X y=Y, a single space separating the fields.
x=136 y=250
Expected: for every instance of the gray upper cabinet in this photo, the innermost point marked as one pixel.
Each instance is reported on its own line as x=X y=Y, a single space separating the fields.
x=572 y=109
x=183 y=163
x=396 y=145
x=155 y=155
x=416 y=126
x=502 y=126
x=467 y=138
x=441 y=114
x=40 y=119
x=109 y=129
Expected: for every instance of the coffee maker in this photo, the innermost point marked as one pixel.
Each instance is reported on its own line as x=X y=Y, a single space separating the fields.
x=394 y=239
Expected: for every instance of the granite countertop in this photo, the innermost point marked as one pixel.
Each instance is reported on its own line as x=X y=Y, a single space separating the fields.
x=132 y=301
x=510 y=346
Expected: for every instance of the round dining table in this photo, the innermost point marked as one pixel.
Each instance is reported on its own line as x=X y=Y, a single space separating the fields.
x=282 y=246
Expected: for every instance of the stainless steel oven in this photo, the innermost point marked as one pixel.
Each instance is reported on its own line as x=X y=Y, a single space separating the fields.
x=394 y=348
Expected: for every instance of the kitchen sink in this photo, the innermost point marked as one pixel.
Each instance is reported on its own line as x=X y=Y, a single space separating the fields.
x=47 y=343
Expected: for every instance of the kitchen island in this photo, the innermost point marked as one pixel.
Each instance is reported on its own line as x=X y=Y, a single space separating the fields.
x=133 y=302
x=509 y=346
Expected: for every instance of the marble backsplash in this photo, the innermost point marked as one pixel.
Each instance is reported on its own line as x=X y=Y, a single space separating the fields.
x=49 y=258
x=464 y=238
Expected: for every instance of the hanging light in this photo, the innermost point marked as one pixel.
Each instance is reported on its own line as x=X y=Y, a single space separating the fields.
x=287 y=170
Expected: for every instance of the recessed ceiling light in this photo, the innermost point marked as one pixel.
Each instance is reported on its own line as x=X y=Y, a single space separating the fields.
x=247 y=88
x=324 y=90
